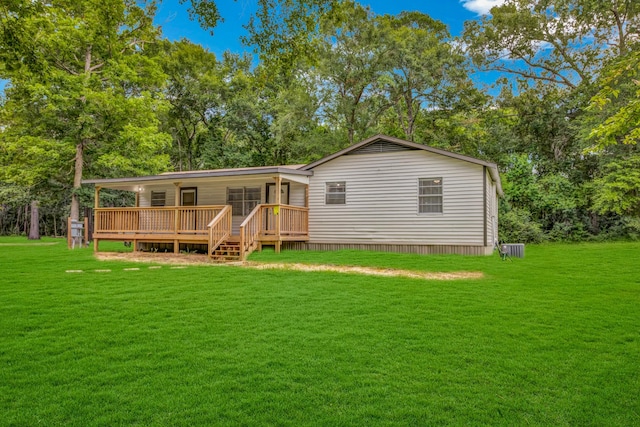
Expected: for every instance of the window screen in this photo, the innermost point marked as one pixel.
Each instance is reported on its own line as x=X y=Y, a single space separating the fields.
x=430 y=195
x=243 y=200
x=158 y=198
x=335 y=193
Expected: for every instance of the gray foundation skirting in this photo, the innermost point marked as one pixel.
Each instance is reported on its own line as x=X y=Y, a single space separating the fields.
x=412 y=249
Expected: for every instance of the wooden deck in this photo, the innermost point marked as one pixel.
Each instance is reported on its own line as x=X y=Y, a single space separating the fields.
x=206 y=225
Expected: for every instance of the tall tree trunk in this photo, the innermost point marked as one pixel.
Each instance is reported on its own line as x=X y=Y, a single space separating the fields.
x=77 y=182
x=34 y=228
x=77 y=175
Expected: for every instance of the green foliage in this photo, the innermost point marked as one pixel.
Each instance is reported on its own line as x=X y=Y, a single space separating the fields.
x=618 y=190
x=424 y=72
x=619 y=99
x=284 y=32
x=86 y=91
x=516 y=225
x=94 y=92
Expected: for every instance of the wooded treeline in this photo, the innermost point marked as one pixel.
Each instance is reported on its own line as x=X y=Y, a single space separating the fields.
x=95 y=91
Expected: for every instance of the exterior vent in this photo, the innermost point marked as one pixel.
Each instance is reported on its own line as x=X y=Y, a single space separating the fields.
x=379 y=147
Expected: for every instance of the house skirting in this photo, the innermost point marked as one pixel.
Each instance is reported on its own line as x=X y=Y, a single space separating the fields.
x=384 y=247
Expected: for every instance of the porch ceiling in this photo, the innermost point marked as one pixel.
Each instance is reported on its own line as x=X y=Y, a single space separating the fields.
x=288 y=173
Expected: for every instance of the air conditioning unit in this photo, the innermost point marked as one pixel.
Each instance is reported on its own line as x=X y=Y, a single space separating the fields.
x=515 y=250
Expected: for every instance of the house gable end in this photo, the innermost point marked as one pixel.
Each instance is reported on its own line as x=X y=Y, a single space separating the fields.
x=383 y=143
x=379 y=146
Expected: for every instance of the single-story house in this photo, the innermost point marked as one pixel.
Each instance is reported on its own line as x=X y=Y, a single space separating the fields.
x=383 y=194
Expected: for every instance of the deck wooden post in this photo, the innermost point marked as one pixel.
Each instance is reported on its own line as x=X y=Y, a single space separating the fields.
x=176 y=199
x=279 y=215
x=96 y=206
x=86 y=231
x=176 y=226
x=306 y=196
x=96 y=200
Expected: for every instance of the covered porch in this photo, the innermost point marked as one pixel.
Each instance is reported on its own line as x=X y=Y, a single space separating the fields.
x=258 y=206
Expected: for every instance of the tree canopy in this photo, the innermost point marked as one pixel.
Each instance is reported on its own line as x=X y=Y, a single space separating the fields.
x=95 y=91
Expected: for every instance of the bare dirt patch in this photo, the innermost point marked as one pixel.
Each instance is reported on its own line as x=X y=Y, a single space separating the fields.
x=371 y=271
x=155 y=258
x=181 y=259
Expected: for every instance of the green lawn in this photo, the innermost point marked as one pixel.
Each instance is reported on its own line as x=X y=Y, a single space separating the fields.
x=551 y=339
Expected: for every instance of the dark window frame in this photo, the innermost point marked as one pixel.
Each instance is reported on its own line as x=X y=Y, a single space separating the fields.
x=187 y=190
x=430 y=195
x=156 y=201
x=335 y=193
x=242 y=205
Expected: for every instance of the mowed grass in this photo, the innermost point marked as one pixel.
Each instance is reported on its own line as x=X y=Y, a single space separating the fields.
x=551 y=339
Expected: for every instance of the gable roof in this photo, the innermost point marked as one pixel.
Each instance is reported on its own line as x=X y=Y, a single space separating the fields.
x=375 y=144
x=384 y=143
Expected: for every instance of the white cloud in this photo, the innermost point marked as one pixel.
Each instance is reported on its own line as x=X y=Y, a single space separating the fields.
x=481 y=7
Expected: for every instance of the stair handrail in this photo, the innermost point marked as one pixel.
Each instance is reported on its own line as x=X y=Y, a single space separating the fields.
x=250 y=231
x=219 y=229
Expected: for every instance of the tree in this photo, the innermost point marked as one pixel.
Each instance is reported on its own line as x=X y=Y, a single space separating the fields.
x=352 y=60
x=80 y=83
x=618 y=190
x=34 y=227
x=562 y=42
x=424 y=70
x=284 y=32
x=618 y=99
x=195 y=90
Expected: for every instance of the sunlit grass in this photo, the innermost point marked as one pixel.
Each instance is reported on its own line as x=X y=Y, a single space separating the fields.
x=551 y=339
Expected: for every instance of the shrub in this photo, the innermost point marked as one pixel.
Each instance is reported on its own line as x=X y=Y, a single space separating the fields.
x=516 y=226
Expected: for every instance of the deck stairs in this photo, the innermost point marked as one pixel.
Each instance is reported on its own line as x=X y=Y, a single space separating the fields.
x=227 y=252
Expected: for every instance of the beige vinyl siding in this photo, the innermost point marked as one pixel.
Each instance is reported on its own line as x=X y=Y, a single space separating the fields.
x=214 y=192
x=382 y=200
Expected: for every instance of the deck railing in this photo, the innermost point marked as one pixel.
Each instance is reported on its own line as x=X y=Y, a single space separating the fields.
x=219 y=229
x=211 y=224
x=165 y=220
x=294 y=220
x=272 y=223
x=250 y=232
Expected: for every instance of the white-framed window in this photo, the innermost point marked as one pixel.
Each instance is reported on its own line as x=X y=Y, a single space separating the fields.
x=243 y=199
x=158 y=198
x=336 y=193
x=430 y=195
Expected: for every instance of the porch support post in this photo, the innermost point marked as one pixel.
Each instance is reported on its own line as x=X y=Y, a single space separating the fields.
x=306 y=196
x=176 y=225
x=96 y=200
x=176 y=199
x=96 y=205
x=279 y=216
x=137 y=191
